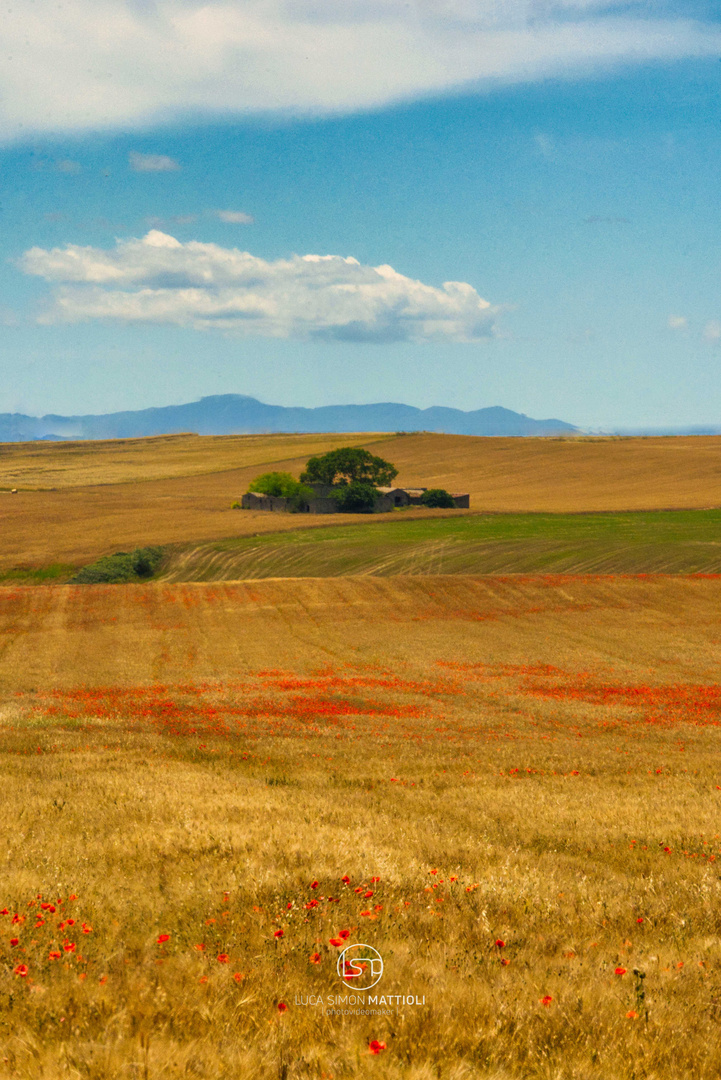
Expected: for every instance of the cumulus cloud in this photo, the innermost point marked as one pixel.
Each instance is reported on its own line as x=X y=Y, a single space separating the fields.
x=158 y=279
x=151 y=162
x=235 y=217
x=85 y=64
x=677 y=322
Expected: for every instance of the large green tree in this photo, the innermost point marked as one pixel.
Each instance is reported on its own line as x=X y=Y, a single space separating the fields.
x=347 y=465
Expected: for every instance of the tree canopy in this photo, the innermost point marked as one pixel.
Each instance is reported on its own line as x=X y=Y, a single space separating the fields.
x=347 y=465
x=358 y=497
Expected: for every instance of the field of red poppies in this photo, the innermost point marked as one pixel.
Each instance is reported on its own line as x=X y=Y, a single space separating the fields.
x=507 y=789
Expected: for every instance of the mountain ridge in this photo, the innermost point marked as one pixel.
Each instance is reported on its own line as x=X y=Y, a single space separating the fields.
x=239 y=414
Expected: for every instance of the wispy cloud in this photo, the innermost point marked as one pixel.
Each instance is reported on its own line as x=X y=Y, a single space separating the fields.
x=158 y=279
x=117 y=63
x=677 y=322
x=69 y=167
x=235 y=217
x=151 y=162
x=712 y=332
x=177 y=219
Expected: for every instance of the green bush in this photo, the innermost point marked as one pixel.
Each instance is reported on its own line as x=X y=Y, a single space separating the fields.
x=438 y=499
x=355 y=498
x=279 y=484
x=283 y=486
x=122 y=566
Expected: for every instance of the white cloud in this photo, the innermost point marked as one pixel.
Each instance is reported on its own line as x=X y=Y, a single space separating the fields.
x=677 y=322
x=151 y=162
x=157 y=279
x=85 y=64
x=712 y=332
x=235 y=217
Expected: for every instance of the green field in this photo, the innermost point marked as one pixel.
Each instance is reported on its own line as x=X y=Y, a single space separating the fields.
x=680 y=541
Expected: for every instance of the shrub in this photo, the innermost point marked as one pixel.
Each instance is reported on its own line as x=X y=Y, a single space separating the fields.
x=355 y=498
x=280 y=484
x=284 y=486
x=437 y=498
x=122 y=566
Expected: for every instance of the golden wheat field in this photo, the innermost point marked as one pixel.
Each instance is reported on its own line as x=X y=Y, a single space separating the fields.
x=507 y=786
x=78 y=501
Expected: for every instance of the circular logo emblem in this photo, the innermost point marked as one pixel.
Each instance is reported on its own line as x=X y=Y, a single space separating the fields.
x=360 y=966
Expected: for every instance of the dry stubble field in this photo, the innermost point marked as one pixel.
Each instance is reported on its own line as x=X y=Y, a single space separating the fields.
x=509 y=786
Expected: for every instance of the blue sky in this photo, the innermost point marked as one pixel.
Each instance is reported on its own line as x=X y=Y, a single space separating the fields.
x=560 y=162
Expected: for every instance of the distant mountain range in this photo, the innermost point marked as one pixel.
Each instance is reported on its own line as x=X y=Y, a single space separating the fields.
x=236 y=414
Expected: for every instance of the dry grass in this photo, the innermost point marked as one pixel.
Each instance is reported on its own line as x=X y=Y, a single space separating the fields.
x=527 y=761
x=127 y=493
x=39 y=466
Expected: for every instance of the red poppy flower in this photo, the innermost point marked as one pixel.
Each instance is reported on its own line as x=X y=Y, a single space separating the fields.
x=500 y=944
x=223 y=958
x=345 y=879
x=344 y=935
x=314 y=884
x=632 y=1014
x=367 y=895
x=73 y=896
x=336 y=942
x=49 y=907
x=432 y=871
x=310 y=905
x=315 y=958
x=368 y=912
x=70 y=922
x=21 y=970
x=278 y=933
x=640 y=919
x=282 y=1006
x=87 y=929
x=200 y=948
x=14 y=941
x=203 y=979
x=238 y=976
x=289 y=905
x=546 y=1000
x=374 y=879
x=505 y=962
x=620 y=971
x=54 y=956
x=161 y=940
x=69 y=946
x=375 y=1046
x=359 y=889
x=18 y=918
x=4 y=911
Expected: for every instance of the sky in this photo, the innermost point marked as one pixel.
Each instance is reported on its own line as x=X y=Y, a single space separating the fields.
x=440 y=202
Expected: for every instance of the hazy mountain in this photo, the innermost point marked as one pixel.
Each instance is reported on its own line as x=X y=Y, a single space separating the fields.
x=230 y=414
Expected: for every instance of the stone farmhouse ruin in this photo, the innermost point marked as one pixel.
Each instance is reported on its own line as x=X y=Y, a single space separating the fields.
x=388 y=499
